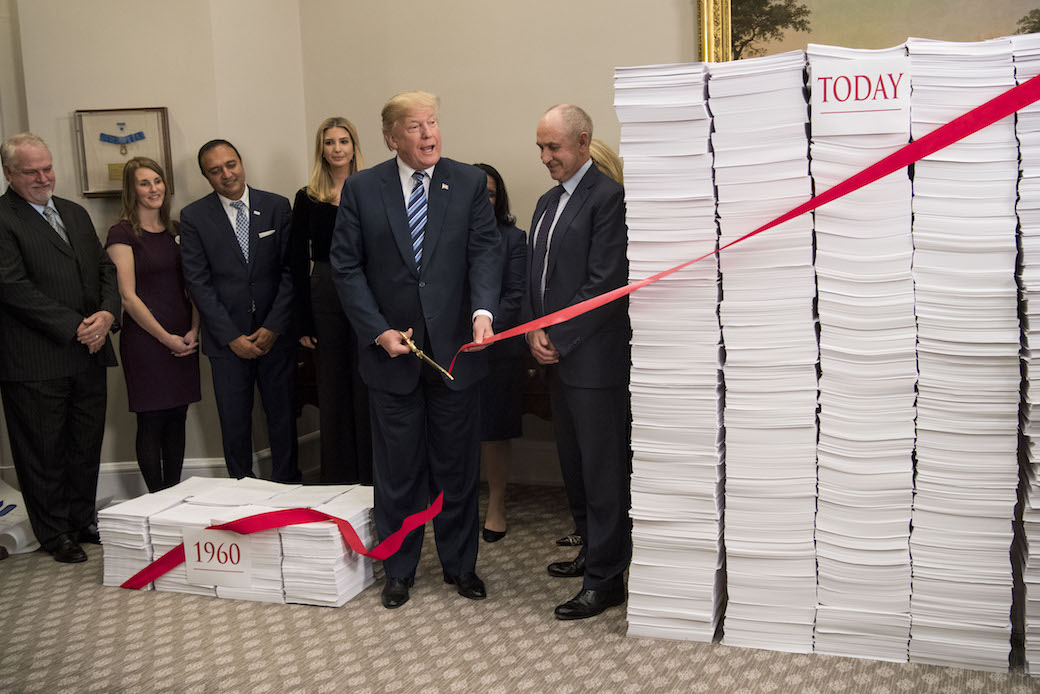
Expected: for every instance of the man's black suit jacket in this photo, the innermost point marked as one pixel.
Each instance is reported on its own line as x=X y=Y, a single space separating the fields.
x=47 y=288
x=380 y=287
x=223 y=285
x=587 y=256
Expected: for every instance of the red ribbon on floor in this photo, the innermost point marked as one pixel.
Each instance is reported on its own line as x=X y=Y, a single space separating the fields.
x=971 y=122
x=292 y=516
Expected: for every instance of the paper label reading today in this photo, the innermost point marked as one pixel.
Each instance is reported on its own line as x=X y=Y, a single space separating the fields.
x=217 y=558
x=855 y=96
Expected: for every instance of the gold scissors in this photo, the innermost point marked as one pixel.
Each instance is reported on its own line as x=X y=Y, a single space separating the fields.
x=422 y=355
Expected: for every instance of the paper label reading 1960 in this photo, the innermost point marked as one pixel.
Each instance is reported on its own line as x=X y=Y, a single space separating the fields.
x=217 y=558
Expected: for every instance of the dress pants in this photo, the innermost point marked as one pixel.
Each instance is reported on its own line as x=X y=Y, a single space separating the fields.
x=233 y=381
x=56 y=427
x=591 y=426
x=423 y=443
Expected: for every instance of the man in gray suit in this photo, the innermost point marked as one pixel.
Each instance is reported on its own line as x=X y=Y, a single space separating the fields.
x=58 y=301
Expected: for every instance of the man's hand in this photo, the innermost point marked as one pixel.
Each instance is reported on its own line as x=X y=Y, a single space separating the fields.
x=309 y=342
x=93 y=331
x=244 y=348
x=263 y=339
x=393 y=343
x=481 y=331
x=542 y=347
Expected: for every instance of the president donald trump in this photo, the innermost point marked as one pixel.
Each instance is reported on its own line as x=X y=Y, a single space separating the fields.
x=416 y=255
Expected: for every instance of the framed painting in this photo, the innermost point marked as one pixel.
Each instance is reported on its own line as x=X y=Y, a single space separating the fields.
x=108 y=138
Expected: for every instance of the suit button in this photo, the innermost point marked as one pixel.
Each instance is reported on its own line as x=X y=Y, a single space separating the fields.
x=421 y=285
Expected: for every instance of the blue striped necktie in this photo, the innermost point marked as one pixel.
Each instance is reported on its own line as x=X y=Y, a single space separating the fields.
x=417 y=216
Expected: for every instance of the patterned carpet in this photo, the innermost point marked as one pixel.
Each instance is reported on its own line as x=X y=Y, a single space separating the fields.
x=61 y=631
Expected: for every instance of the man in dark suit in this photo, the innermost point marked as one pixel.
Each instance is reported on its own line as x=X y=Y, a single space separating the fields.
x=234 y=245
x=58 y=301
x=416 y=254
x=577 y=251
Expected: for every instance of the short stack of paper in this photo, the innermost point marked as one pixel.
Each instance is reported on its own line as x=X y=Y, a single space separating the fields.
x=265 y=569
x=240 y=492
x=964 y=235
x=318 y=567
x=125 y=538
x=1027 y=66
x=167 y=528
x=769 y=335
x=675 y=579
x=868 y=365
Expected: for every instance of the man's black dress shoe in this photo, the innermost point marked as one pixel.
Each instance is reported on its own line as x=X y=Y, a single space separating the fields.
x=469 y=585
x=89 y=534
x=67 y=551
x=572 y=540
x=395 y=592
x=589 y=603
x=493 y=535
x=567 y=569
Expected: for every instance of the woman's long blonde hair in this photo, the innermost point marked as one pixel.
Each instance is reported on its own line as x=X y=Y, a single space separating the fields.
x=320 y=185
x=606 y=160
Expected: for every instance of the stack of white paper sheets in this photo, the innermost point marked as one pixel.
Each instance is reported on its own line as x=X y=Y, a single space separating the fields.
x=318 y=567
x=868 y=378
x=125 y=538
x=265 y=569
x=137 y=532
x=1027 y=66
x=769 y=334
x=964 y=235
x=675 y=578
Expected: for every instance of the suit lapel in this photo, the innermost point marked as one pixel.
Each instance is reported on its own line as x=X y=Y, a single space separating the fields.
x=563 y=224
x=225 y=230
x=397 y=217
x=256 y=223
x=35 y=221
x=440 y=195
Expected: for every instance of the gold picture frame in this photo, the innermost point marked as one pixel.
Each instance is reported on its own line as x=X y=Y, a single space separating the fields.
x=716 y=45
x=107 y=138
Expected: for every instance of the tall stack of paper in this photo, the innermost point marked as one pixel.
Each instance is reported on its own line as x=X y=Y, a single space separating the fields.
x=968 y=342
x=318 y=567
x=769 y=335
x=1027 y=66
x=125 y=537
x=675 y=579
x=868 y=367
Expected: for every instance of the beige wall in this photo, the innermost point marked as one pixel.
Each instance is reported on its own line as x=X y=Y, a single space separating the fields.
x=263 y=73
x=496 y=66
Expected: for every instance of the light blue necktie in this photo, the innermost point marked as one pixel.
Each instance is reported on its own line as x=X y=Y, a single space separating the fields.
x=417 y=216
x=242 y=227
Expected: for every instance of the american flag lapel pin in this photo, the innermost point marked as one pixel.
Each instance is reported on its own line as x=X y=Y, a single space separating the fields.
x=444 y=186
x=256 y=212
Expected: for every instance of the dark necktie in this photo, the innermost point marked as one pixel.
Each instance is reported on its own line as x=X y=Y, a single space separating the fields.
x=541 y=245
x=417 y=215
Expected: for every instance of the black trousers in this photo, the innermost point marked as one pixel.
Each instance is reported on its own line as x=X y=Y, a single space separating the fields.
x=591 y=426
x=424 y=443
x=233 y=382
x=56 y=427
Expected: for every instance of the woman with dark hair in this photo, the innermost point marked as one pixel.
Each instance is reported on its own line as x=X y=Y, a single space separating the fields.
x=159 y=341
x=502 y=391
x=346 y=434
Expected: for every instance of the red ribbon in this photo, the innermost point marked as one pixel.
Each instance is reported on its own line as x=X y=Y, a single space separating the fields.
x=292 y=516
x=971 y=122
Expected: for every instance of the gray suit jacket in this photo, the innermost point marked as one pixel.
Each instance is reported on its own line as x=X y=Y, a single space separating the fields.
x=47 y=288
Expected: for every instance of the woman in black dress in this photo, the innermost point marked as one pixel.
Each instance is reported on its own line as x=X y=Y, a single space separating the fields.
x=346 y=434
x=502 y=391
x=158 y=343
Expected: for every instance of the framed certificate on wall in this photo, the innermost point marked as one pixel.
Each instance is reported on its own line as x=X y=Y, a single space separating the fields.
x=108 y=138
